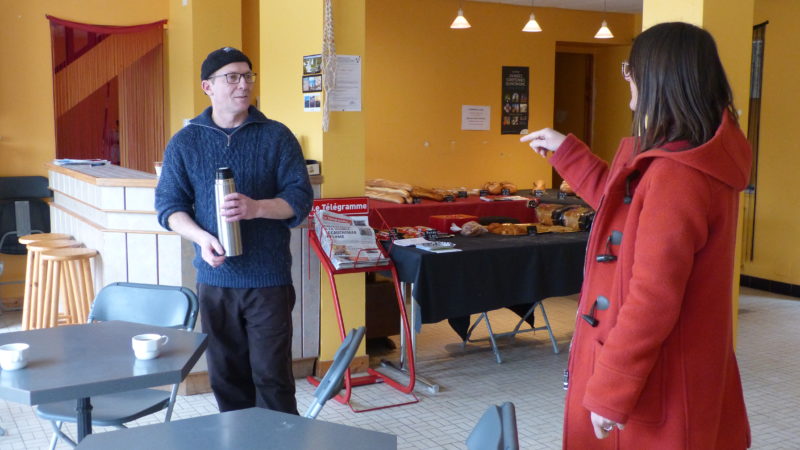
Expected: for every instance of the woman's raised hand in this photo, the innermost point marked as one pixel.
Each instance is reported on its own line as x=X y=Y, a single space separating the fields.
x=544 y=140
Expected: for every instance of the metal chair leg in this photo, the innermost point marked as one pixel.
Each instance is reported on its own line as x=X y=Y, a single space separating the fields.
x=58 y=434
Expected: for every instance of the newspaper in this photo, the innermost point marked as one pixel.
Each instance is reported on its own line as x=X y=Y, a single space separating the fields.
x=347 y=243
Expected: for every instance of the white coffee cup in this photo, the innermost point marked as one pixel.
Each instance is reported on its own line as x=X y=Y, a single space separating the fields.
x=148 y=346
x=14 y=356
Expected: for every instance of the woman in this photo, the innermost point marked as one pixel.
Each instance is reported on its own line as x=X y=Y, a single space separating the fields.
x=652 y=363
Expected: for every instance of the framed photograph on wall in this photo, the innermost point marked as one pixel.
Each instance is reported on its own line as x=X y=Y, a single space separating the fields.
x=312 y=83
x=312 y=64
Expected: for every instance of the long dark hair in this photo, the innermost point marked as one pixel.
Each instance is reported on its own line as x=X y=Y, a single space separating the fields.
x=682 y=89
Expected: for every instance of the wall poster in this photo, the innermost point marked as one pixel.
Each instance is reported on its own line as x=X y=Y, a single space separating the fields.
x=514 y=113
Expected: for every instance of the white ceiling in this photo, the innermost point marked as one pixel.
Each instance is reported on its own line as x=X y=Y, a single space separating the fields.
x=623 y=6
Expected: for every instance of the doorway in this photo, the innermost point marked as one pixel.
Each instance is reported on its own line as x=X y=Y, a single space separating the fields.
x=574 y=91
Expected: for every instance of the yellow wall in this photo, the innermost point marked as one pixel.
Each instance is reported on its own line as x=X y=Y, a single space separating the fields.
x=612 y=115
x=27 y=138
x=343 y=161
x=287 y=34
x=419 y=73
x=778 y=194
x=180 y=66
x=251 y=44
x=657 y=11
x=27 y=130
x=196 y=29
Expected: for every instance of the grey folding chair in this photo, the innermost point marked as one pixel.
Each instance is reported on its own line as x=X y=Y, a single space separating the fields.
x=496 y=429
x=165 y=306
x=331 y=383
x=22 y=210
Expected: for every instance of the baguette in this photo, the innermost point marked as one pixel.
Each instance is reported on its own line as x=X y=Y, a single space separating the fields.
x=394 y=198
x=380 y=182
x=419 y=191
x=385 y=190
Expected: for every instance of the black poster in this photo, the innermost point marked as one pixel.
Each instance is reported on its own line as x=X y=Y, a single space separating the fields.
x=514 y=114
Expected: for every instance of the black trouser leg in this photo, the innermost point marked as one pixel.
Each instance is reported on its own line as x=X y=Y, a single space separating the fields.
x=269 y=330
x=250 y=346
x=227 y=354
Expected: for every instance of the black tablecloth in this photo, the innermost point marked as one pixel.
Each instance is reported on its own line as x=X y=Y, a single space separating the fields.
x=491 y=272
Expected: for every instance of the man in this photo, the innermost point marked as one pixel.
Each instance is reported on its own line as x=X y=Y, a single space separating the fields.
x=246 y=301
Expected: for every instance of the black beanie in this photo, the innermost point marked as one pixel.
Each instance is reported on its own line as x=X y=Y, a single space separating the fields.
x=220 y=58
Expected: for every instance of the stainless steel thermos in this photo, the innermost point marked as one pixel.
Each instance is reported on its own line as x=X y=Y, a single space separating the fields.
x=228 y=233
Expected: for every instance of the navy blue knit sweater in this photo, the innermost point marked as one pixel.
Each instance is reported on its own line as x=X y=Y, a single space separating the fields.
x=267 y=162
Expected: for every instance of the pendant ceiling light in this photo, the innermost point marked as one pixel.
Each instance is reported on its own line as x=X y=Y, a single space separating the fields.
x=460 y=22
x=532 y=26
x=604 y=32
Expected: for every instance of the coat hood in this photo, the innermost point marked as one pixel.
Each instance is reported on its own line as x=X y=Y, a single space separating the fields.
x=726 y=157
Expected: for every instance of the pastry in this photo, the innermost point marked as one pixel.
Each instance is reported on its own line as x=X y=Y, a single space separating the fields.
x=473 y=228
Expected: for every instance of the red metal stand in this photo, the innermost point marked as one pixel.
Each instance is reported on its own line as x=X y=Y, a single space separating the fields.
x=372 y=376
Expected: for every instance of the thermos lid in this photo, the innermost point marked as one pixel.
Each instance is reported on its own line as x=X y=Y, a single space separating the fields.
x=224 y=173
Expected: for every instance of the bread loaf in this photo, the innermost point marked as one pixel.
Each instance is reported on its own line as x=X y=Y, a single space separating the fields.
x=544 y=212
x=380 y=182
x=388 y=197
x=572 y=218
x=384 y=190
x=419 y=191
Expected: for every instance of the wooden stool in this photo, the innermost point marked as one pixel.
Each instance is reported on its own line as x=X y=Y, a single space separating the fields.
x=69 y=278
x=29 y=278
x=29 y=238
x=35 y=278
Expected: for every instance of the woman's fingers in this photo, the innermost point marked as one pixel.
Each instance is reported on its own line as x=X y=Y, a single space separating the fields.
x=544 y=140
x=602 y=426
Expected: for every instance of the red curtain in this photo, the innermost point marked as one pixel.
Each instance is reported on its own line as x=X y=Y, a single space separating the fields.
x=108 y=84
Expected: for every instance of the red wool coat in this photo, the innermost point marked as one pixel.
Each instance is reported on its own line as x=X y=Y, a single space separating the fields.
x=660 y=359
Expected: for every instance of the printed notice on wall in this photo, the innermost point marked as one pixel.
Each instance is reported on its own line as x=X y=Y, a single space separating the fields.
x=346 y=96
x=475 y=117
x=514 y=115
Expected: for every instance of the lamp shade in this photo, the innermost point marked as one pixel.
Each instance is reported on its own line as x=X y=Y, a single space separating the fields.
x=532 y=26
x=603 y=32
x=460 y=22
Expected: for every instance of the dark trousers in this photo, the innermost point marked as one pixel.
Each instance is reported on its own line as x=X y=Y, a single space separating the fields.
x=250 y=346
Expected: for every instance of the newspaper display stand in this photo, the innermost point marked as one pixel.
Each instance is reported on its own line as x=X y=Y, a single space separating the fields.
x=358 y=206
